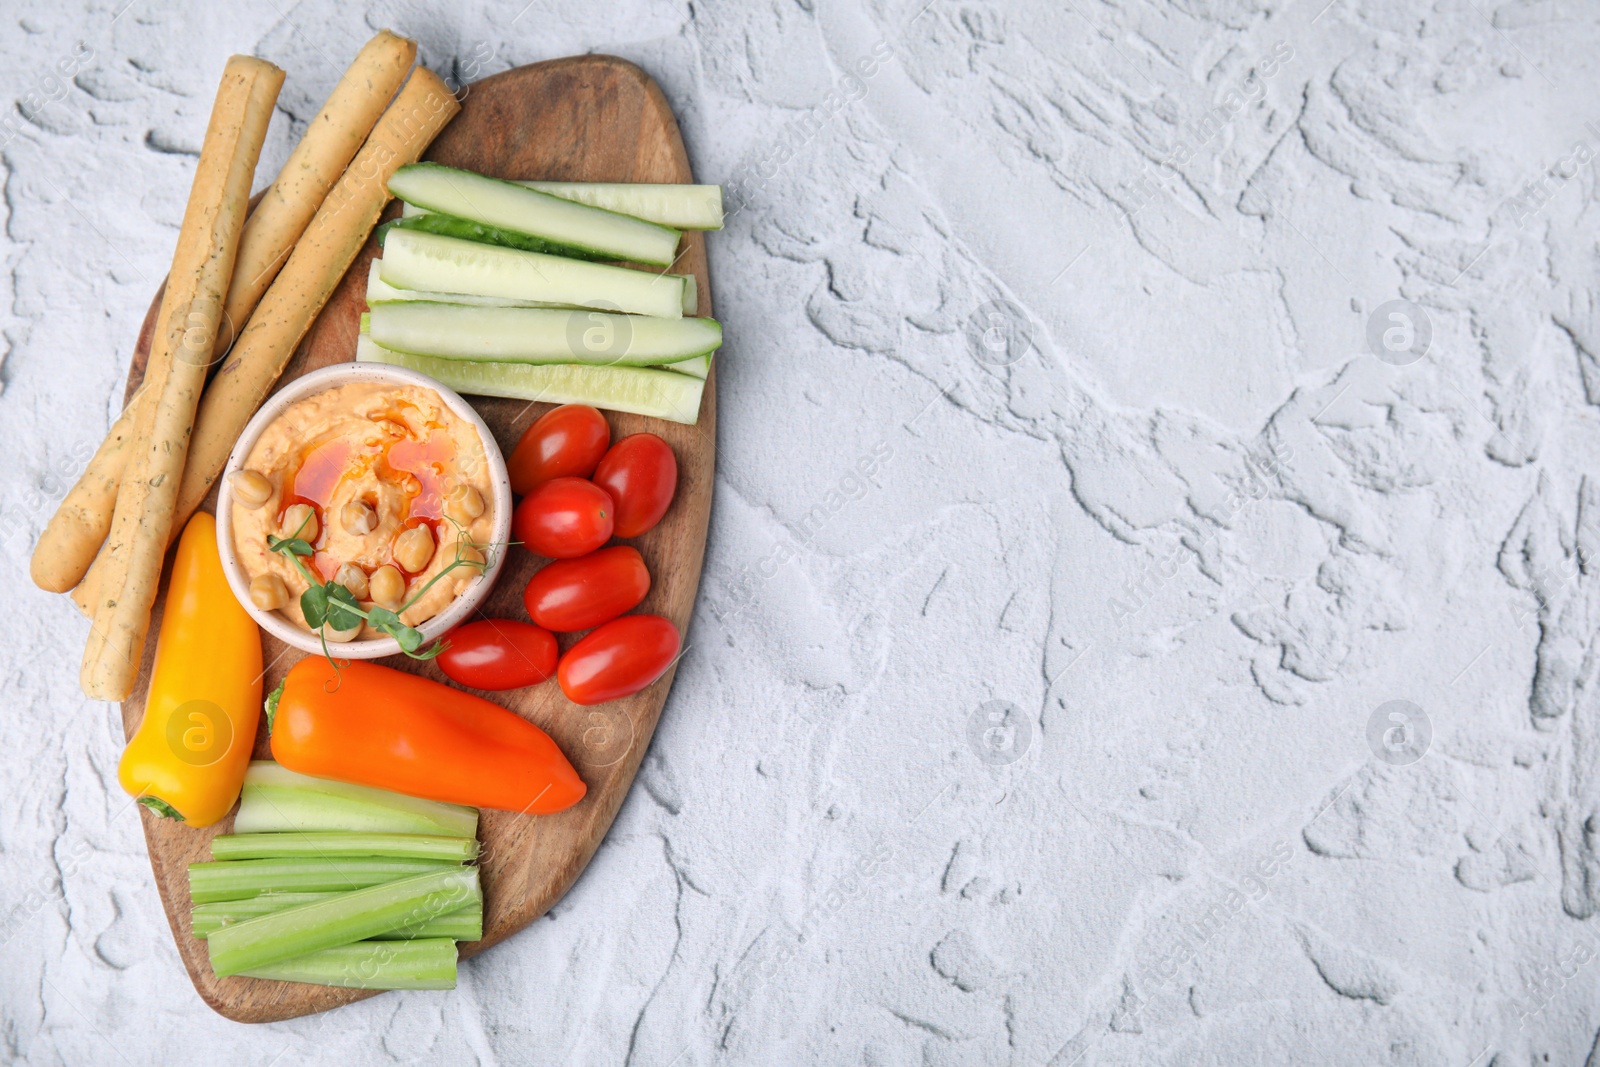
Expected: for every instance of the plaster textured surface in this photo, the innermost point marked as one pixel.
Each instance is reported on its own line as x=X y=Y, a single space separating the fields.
x=1127 y=634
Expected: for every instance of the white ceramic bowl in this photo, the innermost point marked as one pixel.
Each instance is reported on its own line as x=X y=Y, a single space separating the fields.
x=327 y=378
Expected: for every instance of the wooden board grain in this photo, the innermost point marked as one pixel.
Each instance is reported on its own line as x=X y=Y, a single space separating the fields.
x=586 y=118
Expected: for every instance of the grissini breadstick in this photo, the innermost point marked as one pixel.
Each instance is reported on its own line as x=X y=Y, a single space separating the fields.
x=80 y=525
x=330 y=143
x=319 y=261
x=262 y=82
x=314 y=270
x=181 y=351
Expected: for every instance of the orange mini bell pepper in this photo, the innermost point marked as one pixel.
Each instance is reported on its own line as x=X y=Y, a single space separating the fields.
x=376 y=726
x=188 y=757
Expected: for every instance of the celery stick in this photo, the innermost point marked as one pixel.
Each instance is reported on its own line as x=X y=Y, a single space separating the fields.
x=238 y=879
x=394 y=846
x=421 y=964
x=206 y=919
x=463 y=925
x=276 y=799
x=254 y=943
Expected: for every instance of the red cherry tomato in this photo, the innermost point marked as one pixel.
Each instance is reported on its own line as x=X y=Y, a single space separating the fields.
x=618 y=659
x=499 y=654
x=582 y=593
x=563 y=518
x=641 y=474
x=565 y=442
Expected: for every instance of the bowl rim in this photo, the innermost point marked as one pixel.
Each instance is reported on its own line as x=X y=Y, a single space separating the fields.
x=321 y=380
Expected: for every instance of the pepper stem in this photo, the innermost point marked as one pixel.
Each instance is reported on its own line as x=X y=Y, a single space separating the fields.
x=161 y=808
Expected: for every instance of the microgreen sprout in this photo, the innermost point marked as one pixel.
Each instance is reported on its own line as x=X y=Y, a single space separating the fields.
x=330 y=604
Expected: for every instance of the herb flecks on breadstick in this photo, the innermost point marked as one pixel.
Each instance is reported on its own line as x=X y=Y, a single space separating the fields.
x=319 y=261
x=325 y=252
x=74 y=535
x=331 y=141
x=181 y=351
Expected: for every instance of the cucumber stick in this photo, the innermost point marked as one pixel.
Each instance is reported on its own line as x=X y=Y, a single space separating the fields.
x=422 y=964
x=381 y=292
x=699 y=366
x=339 y=920
x=540 y=335
x=431 y=263
x=466 y=230
x=578 y=228
x=277 y=799
x=657 y=393
x=683 y=207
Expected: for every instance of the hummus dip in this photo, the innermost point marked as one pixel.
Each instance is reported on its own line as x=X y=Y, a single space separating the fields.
x=396 y=484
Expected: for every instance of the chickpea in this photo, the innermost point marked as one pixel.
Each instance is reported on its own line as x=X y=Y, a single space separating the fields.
x=358 y=517
x=341 y=636
x=250 y=488
x=352 y=578
x=268 y=592
x=463 y=503
x=297 y=515
x=387 y=587
x=470 y=554
x=414 y=548
x=416 y=421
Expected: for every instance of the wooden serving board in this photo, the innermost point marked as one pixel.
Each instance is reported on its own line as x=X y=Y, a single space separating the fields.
x=586 y=118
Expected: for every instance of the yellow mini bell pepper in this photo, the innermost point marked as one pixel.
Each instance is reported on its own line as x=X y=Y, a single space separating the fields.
x=188 y=757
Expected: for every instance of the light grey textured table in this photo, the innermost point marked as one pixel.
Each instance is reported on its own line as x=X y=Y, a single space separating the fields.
x=1067 y=731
